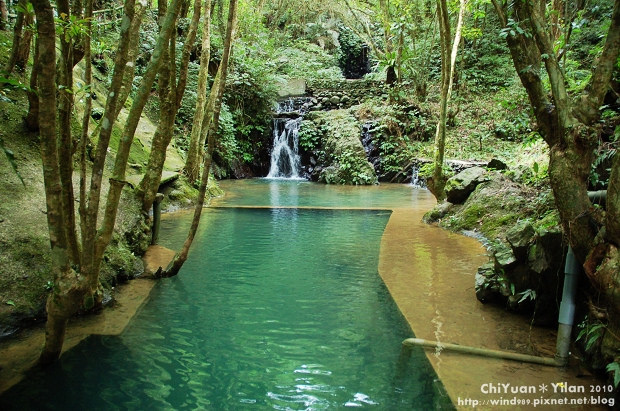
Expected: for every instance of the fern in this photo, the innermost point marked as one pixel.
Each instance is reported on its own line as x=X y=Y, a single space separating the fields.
x=615 y=368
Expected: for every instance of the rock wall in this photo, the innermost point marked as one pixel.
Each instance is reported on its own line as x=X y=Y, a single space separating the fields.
x=523 y=236
x=333 y=152
x=337 y=94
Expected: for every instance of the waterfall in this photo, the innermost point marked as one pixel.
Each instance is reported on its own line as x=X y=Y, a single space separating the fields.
x=416 y=181
x=285 y=159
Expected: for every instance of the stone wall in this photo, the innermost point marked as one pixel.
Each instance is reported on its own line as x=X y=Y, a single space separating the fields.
x=335 y=94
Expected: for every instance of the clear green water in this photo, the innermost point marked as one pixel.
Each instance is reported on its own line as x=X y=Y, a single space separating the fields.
x=274 y=309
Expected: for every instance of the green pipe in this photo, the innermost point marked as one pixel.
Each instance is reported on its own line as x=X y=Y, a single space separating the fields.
x=485 y=352
x=567 y=307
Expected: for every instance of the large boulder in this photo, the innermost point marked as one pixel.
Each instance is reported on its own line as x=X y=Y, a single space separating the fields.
x=341 y=158
x=460 y=186
x=519 y=237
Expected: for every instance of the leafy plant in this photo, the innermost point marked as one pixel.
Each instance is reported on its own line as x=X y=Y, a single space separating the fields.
x=615 y=368
x=529 y=293
x=590 y=333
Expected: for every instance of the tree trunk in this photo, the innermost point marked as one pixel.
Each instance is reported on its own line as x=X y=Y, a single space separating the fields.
x=61 y=303
x=169 y=108
x=88 y=80
x=192 y=163
x=132 y=52
x=89 y=257
x=449 y=50
x=569 y=127
x=18 y=30
x=117 y=181
x=32 y=118
x=24 y=48
x=212 y=124
x=65 y=143
x=4 y=15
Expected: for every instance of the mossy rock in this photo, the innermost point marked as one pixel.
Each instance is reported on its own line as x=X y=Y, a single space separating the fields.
x=343 y=159
x=460 y=186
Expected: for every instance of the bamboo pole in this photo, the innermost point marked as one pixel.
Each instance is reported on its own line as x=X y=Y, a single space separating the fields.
x=485 y=352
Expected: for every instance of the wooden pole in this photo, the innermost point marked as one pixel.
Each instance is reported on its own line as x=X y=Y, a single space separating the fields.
x=485 y=352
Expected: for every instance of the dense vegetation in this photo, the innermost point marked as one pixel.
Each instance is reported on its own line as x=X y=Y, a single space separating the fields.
x=533 y=84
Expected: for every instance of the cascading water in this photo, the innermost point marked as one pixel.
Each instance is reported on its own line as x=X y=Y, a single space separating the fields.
x=285 y=159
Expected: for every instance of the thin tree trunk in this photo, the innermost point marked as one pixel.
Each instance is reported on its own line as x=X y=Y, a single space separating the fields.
x=65 y=142
x=132 y=52
x=88 y=80
x=438 y=182
x=61 y=303
x=212 y=124
x=90 y=261
x=18 y=30
x=117 y=181
x=24 y=49
x=4 y=15
x=192 y=163
x=169 y=108
x=32 y=118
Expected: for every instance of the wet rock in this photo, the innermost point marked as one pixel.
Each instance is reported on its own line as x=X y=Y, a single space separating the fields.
x=487 y=285
x=335 y=100
x=460 y=186
x=519 y=237
x=504 y=258
x=438 y=212
x=537 y=258
x=496 y=164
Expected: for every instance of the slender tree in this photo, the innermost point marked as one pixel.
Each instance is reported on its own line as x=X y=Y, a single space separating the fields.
x=171 y=102
x=77 y=278
x=192 y=162
x=64 y=276
x=20 y=49
x=449 y=51
x=210 y=122
x=4 y=15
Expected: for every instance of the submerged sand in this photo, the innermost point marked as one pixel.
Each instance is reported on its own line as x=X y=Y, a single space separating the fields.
x=430 y=274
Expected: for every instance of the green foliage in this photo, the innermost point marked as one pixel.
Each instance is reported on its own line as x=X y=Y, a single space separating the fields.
x=70 y=27
x=301 y=59
x=12 y=83
x=614 y=367
x=590 y=333
x=601 y=167
x=310 y=135
x=527 y=294
x=352 y=54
